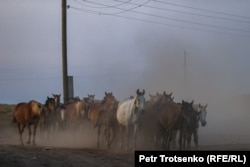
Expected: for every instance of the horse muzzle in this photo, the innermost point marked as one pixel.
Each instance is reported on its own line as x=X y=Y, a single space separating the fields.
x=203 y=123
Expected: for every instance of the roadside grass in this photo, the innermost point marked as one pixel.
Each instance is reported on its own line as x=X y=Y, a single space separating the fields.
x=6 y=108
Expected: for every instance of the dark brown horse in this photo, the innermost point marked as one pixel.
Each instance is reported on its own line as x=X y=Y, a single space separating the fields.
x=104 y=115
x=188 y=124
x=26 y=114
x=168 y=114
x=46 y=121
x=59 y=114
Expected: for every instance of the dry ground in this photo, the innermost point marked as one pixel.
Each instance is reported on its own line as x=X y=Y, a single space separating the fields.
x=72 y=149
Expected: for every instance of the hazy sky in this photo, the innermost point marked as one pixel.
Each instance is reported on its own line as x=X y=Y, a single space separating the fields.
x=122 y=45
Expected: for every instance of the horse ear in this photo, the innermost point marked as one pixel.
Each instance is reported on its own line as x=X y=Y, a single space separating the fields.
x=199 y=105
x=206 y=106
x=192 y=102
x=143 y=92
x=170 y=94
x=137 y=91
x=47 y=97
x=182 y=101
x=106 y=93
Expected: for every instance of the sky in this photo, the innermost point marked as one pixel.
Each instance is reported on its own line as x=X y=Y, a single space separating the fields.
x=121 y=45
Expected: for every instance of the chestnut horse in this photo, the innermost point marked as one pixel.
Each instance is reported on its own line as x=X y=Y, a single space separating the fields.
x=26 y=114
x=151 y=128
x=104 y=114
x=168 y=114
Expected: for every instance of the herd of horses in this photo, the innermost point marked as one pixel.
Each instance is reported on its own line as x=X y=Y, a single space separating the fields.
x=156 y=122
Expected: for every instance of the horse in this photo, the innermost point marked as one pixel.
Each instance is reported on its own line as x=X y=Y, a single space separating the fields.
x=168 y=114
x=129 y=114
x=151 y=130
x=59 y=114
x=83 y=106
x=188 y=124
x=201 y=112
x=27 y=114
x=201 y=117
x=47 y=119
x=104 y=114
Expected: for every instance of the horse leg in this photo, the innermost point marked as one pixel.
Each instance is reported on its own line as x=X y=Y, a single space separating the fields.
x=28 y=142
x=181 y=139
x=135 y=135
x=108 y=136
x=20 y=132
x=98 y=136
x=189 y=135
x=173 y=137
x=112 y=135
x=196 y=138
x=127 y=138
x=121 y=136
x=34 y=134
x=169 y=139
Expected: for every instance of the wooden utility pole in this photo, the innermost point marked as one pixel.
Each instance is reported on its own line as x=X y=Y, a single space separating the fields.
x=185 y=74
x=64 y=52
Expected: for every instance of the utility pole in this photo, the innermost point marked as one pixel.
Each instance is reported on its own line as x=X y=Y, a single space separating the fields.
x=64 y=52
x=185 y=74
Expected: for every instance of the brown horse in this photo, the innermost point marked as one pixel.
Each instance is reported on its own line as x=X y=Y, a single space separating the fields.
x=82 y=106
x=26 y=114
x=151 y=127
x=46 y=121
x=104 y=114
x=188 y=124
x=168 y=114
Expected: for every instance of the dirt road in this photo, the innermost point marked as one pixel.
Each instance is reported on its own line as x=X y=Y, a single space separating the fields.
x=71 y=150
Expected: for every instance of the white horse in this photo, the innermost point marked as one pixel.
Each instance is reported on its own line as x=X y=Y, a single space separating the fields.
x=202 y=113
x=201 y=117
x=129 y=113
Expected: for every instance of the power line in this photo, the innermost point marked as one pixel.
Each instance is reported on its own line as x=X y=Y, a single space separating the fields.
x=206 y=10
x=190 y=13
x=164 y=17
x=116 y=7
x=155 y=22
x=109 y=6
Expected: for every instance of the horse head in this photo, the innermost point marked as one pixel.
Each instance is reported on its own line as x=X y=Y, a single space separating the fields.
x=202 y=114
x=109 y=98
x=36 y=108
x=168 y=97
x=189 y=112
x=140 y=100
x=91 y=98
x=57 y=98
x=154 y=98
x=50 y=104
